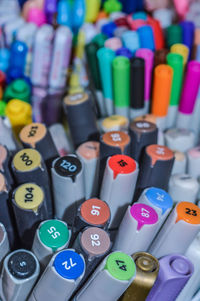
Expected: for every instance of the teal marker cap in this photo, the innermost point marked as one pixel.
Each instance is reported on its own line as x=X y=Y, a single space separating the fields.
x=105 y=59
x=99 y=39
x=173 y=35
x=18 y=89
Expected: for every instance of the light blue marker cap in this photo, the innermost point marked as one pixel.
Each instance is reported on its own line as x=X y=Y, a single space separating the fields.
x=64 y=13
x=4 y=59
x=105 y=58
x=131 y=40
x=78 y=9
x=140 y=15
x=159 y=198
x=146 y=37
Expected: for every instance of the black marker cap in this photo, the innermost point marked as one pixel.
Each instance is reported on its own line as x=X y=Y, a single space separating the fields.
x=137 y=82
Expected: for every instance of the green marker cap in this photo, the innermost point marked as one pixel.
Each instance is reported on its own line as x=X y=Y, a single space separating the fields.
x=99 y=39
x=111 y=6
x=91 y=55
x=121 y=266
x=18 y=89
x=174 y=35
x=175 y=61
x=105 y=58
x=121 y=81
x=54 y=234
x=2 y=108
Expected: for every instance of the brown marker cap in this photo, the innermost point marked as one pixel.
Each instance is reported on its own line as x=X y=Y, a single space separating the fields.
x=142 y=126
x=3 y=156
x=89 y=150
x=75 y=99
x=147 y=117
x=33 y=133
x=95 y=212
x=159 y=152
x=116 y=139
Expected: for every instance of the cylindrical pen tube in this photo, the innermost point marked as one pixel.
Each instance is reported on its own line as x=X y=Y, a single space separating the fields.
x=180 y=139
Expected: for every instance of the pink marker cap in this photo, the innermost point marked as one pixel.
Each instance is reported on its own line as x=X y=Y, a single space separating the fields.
x=113 y=43
x=148 y=57
x=144 y=215
x=37 y=16
x=135 y=24
x=190 y=88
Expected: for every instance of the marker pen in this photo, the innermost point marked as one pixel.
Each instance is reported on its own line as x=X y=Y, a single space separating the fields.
x=37 y=99
x=112 y=277
x=114 y=123
x=185 y=218
x=10 y=28
x=60 y=139
x=173 y=35
x=5 y=157
x=78 y=11
x=165 y=16
x=188 y=28
x=137 y=66
x=18 y=89
x=64 y=13
x=6 y=136
x=123 y=51
x=156 y=166
x=105 y=58
x=99 y=25
x=112 y=6
x=131 y=40
x=196 y=46
x=189 y=95
x=147 y=268
x=99 y=39
x=36 y=16
x=121 y=85
x=50 y=237
x=80 y=114
x=4 y=244
x=113 y=43
x=88 y=153
x=142 y=133
x=37 y=136
x=93 y=212
x=50 y=7
x=20 y=272
x=193 y=157
x=160 y=56
x=134 y=24
x=146 y=37
x=163 y=76
x=68 y=187
x=120 y=175
x=92 y=9
x=29 y=206
x=175 y=61
x=28 y=166
x=137 y=229
x=182 y=50
x=180 y=139
x=157 y=33
x=148 y=56
x=18 y=55
x=179 y=163
x=174 y=272
x=119 y=31
x=60 y=57
x=108 y=29
x=42 y=55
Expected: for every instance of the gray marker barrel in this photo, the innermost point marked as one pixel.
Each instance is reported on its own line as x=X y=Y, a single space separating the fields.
x=179 y=163
x=60 y=278
x=51 y=236
x=68 y=187
x=30 y=209
x=183 y=187
x=60 y=139
x=28 y=166
x=80 y=114
x=6 y=136
x=109 y=281
x=5 y=164
x=118 y=186
x=193 y=166
x=4 y=243
x=180 y=139
x=142 y=133
x=20 y=272
x=88 y=153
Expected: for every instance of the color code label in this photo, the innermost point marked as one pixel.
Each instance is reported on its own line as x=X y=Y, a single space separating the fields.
x=159 y=198
x=89 y=150
x=159 y=152
x=121 y=266
x=27 y=159
x=121 y=164
x=188 y=212
x=69 y=264
x=142 y=126
x=68 y=166
x=116 y=139
x=144 y=215
x=32 y=133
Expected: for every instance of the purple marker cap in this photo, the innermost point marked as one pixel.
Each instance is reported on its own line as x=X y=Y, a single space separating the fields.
x=50 y=7
x=144 y=215
x=190 y=88
x=123 y=51
x=175 y=270
x=188 y=33
x=148 y=57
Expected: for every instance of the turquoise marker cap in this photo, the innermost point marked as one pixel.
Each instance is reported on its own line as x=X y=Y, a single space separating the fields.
x=140 y=15
x=105 y=59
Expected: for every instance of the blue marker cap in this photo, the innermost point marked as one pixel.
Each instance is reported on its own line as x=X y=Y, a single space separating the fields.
x=4 y=59
x=188 y=28
x=108 y=29
x=146 y=37
x=123 y=51
x=18 y=55
x=64 y=13
x=69 y=264
x=79 y=10
x=129 y=6
x=131 y=40
x=159 y=198
x=140 y=15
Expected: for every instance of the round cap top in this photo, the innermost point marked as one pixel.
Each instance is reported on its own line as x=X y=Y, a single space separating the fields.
x=159 y=198
x=27 y=159
x=3 y=155
x=121 y=266
x=54 y=234
x=147 y=117
x=188 y=212
x=68 y=166
x=75 y=99
x=17 y=106
x=180 y=266
x=114 y=121
x=122 y=164
x=89 y=150
x=159 y=153
x=116 y=139
x=21 y=264
x=145 y=262
x=144 y=215
x=95 y=212
x=33 y=133
x=181 y=49
x=29 y=196
x=95 y=241
x=69 y=264
x=19 y=86
x=142 y=126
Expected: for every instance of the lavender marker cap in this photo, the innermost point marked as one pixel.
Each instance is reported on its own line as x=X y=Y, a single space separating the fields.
x=175 y=270
x=123 y=51
x=190 y=88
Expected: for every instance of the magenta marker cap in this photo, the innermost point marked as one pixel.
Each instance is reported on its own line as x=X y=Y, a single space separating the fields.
x=113 y=43
x=190 y=88
x=148 y=57
x=144 y=215
x=37 y=16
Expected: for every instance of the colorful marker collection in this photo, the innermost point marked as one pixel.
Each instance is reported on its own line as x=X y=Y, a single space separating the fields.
x=99 y=150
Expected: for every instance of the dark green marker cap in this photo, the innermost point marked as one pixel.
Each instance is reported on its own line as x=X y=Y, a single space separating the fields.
x=91 y=55
x=174 y=35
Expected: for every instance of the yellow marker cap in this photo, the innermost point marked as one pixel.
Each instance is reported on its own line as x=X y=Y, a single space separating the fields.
x=182 y=50
x=27 y=159
x=115 y=123
x=92 y=10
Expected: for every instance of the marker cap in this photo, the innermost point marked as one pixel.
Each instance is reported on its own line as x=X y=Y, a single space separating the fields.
x=164 y=15
x=33 y=133
x=160 y=56
x=180 y=139
x=116 y=139
x=112 y=6
x=174 y=35
x=113 y=43
x=36 y=16
x=131 y=40
x=137 y=66
x=146 y=37
x=115 y=123
x=108 y=29
x=182 y=50
x=27 y=160
x=124 y=51
x=188 y=28
x=157 y=33
x=18 y=89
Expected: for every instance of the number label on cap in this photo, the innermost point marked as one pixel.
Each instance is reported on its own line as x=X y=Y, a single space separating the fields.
x=53 y=232
x=143 y=125
x=188 y=212
x=25 y=158
x=121 y=265
x=29 y=194
x=122 y=163
x=95 y=210
x=68 y=166
x=94 y=240
x=144 y=215
x=160 y=151
x=191 y=211
x=69 y=265
x=32 y=131
x=116 y=137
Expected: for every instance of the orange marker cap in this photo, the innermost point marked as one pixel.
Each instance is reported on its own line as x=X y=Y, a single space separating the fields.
x=163 y=76
x=188 y=212
x=159 y=152
x=102 y=15
x=95 y=211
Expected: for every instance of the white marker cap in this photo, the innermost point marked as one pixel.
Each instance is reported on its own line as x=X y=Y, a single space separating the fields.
x=180 y=139
x=179 y=163
x=193 y=166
